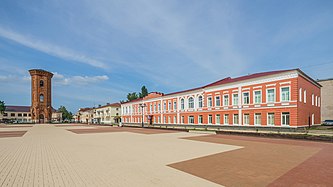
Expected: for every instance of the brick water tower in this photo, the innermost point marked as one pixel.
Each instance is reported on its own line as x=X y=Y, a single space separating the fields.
x=41 y=105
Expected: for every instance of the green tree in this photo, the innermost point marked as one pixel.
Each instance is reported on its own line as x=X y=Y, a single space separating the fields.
x=132 y=96
x=144 y=92
x=2 y=107
x=65 y=114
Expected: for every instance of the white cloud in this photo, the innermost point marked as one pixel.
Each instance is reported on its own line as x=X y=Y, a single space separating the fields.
x=206 y=44
x=60 y=79
x=14 y=79
x=50 y=49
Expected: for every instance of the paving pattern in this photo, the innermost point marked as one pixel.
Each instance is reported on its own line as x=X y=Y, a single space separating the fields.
x=7 y=134
x=264 y=162
x=53 y=156
x=82 y=155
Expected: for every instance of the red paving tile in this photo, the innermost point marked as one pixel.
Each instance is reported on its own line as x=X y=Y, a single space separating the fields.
x=72 y=125
x=263 y=161
x=316 y=171
x=14 y=126
x=7 y=134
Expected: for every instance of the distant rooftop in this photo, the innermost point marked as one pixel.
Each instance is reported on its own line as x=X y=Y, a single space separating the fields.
x=11 y=108
x=329 y=79
x=17 y=109
x=228 y=80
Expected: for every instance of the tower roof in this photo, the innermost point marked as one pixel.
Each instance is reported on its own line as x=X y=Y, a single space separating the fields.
x=40 y=72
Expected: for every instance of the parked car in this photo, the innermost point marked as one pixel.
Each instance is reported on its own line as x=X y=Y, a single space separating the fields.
x=328 y=122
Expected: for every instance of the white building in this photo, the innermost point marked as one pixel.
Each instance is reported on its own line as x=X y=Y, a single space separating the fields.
x=18 y=114
x=84 y=115
x=107 y=114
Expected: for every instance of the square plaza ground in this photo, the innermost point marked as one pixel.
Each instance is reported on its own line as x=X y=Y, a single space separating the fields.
x=80 y=155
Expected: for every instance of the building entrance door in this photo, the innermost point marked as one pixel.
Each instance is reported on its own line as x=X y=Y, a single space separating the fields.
x=41 y=118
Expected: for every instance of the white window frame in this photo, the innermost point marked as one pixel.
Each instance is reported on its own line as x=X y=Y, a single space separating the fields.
x=288 y=95
x=175 y=105
x=319 y=101
x=182 y=118
x=210 y=119
x=200 y=101
x=243 y=98
x=304 y=98
x=226 y=119
x=217 y=104
x=248 y=123
x=312 y=99
x=233 y=121
x=200 y=119
x=255 y=119
x=174 y=119
x=182 y=104
x=191 y=104
x=169 y=105
x=209 y=103
x=268 y=114
x=282 y=121
x=316 y=100
x=254 y=96
x=224 y=100
x=300 y=94
x=274 y=92
x=190 y=118
x=217 y=119
x=233 y=99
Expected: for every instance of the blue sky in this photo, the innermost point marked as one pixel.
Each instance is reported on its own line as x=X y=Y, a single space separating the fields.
x=101 y=50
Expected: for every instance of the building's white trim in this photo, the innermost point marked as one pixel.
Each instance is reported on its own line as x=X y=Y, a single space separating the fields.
x=281 y=83
x=270 y=85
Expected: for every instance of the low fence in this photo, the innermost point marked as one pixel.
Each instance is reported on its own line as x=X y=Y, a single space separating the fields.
x=220 y=127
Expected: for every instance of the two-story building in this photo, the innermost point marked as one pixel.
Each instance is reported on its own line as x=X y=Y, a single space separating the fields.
x=287 y=98
x=84 y=115
x=107 y=114
x=18 y=114
x=22 y=114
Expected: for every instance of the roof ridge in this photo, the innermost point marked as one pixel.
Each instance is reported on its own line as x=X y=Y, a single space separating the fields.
x=230 y=80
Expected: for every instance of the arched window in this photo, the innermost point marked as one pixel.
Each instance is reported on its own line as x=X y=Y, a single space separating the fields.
x=41 y=83
x=182 y=106
x=190 y=102
x=41 y=98
x=200 y=101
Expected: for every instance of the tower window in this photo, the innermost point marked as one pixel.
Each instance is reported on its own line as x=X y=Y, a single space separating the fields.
x=41 y=83
x=41 y=98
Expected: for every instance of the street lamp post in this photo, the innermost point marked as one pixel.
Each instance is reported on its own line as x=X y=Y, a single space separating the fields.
x=142 y=105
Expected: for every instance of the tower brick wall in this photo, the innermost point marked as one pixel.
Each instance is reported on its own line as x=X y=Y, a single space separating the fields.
x=41 y=97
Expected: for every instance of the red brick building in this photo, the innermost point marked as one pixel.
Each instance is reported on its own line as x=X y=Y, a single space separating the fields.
x=286 y=98
x=41 y=97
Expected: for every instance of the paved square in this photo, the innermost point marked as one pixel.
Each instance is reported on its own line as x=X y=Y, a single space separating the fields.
x=53 y=156
x=81 y=155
